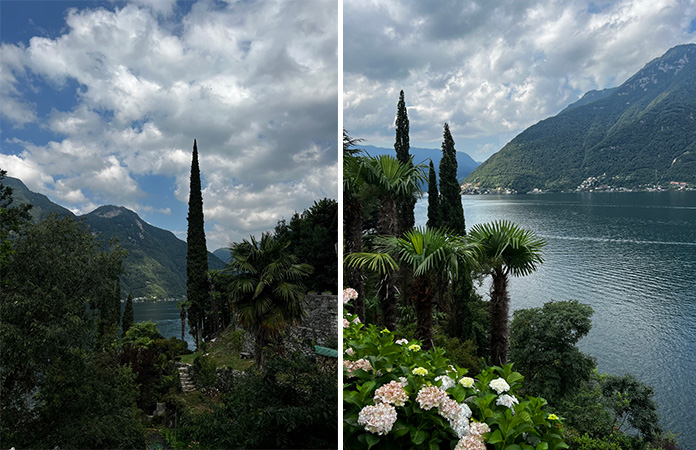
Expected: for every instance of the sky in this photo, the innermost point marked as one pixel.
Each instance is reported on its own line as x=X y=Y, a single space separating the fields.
x=101 y=102
x=492 y=68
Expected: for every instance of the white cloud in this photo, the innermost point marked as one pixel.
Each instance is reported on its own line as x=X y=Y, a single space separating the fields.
x=494 y=67
x=254 y=82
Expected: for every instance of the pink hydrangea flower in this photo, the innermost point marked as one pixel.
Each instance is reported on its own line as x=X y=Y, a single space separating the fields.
x=430 y=397
x=470 y=442
x=392 y=393
x=378 y=419
x=355 y=365
x=346 y=324
x=479 y=428
x=349 y=294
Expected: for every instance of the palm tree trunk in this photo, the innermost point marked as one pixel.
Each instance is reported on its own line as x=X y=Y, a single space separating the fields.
x=259 y=346
x=352 y=217
x=423 y=304
x=500 y=307
x=387 y=226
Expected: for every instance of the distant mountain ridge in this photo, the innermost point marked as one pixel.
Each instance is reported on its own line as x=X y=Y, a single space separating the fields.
x=465 y=163
x=156 y=263
x=640 y=133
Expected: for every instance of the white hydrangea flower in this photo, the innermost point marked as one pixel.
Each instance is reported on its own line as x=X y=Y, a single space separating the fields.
x=507 y=400
x=499 y=385
x=378 y=418
x=447 y=382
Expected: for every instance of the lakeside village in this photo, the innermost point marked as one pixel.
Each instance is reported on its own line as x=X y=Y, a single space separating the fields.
x=591 y=184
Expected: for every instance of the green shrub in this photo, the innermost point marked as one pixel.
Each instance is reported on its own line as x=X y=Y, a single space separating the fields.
x=204 y=371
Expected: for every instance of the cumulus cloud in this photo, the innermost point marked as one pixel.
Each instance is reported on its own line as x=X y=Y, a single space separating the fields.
x=492 y=68
x=254 y=82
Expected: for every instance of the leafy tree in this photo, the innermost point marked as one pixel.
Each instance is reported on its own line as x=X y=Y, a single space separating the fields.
x=430 y=253
x=433 y=199
x=53 y=381
x=127 y=315
x=13 y=220
x=451 y=210
x=406 y=203
x=632 y=401
x=313 y=239
x=543 y=347
x=268 y=293
x=507 y=250
x=197 y=288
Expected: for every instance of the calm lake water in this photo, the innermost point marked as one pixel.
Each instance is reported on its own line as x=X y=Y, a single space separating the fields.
x=165 y=315
x=632 y=257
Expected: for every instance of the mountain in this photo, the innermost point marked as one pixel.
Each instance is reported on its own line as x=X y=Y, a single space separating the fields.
x=638 y=134
x=41 y=205
x=465 y=164
x=223 y=253
x=156 y=263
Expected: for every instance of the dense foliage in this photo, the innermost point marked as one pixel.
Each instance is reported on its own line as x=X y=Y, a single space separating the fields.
x=61 y=382
x=290 y=404
x=312 y=238
x=433 y=199
x=635 y=135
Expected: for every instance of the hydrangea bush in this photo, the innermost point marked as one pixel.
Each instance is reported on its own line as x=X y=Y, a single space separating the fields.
x=398 y=396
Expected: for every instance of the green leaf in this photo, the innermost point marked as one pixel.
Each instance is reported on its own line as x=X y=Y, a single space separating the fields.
x=371 y=439
x=418 y=436
x=495 y=437
x=513 y=447
x=542 y=446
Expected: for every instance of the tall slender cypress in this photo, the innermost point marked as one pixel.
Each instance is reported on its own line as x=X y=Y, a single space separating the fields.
x=197 y=289
x=451 y=210
x=406 y=204
x=433 y=199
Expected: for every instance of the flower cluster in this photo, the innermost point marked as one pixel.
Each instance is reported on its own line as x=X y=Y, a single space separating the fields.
x=349 y=294
x=466 y=382
x=414 y=347
x=378 y=418
x=392 y=393
x=355 y=365
x=447 y=382
x=457 y=415
x=430 y=397
x=507 y=400
x=420 y=371
x=499 y=385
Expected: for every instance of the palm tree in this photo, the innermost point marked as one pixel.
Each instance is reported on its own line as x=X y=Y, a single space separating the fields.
x=268 y=293
x=353 y=217
x=507 y=250
x=392 y=180
x=433 y=255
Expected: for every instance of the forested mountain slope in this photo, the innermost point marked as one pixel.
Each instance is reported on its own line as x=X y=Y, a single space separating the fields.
x=640 y=133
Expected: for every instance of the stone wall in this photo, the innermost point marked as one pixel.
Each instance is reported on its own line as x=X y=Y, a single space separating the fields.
x=320 y=327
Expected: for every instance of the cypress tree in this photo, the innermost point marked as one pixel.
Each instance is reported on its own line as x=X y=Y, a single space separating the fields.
x=451 y=210
x=197 y=289
x=433 y=199
x=128 y=314
x=406 y=204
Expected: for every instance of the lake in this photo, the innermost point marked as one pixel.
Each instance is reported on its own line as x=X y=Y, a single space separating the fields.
x=632 y=258
x=165 y=315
